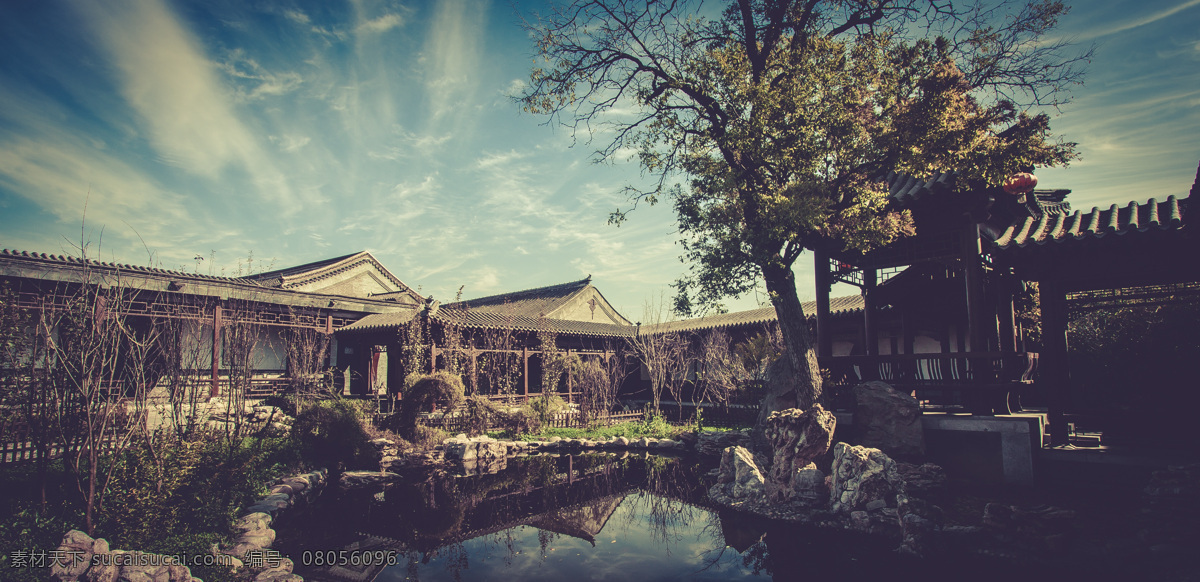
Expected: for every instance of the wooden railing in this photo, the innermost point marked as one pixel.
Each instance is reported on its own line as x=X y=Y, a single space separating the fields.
x=979 y=380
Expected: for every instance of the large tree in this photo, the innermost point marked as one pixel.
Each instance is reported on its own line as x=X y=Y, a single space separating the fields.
x=770 y=124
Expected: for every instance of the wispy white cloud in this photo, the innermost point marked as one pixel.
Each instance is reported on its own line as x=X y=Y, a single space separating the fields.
x=1132 y=23
x=297 y=16
x=290 y=143
x=253 y=81
x=380 y=24
x=68 y=177
x=452 y=53
x=175 y=90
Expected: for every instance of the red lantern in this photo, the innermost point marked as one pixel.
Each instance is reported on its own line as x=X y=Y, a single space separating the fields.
x=1019 y=184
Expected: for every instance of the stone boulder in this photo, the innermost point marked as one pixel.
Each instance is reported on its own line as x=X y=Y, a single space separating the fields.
x=808 y=486
x=922 y=480
x=713 y=443
x=352 y=479
x=75 y=555
x=739 y=477
x=920 y=524
x=80 y=557
x=780 y=395
x=796 y=439
x=888 y=420
x=860 y=476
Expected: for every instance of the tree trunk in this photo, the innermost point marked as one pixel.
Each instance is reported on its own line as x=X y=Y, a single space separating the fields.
x=781 y=285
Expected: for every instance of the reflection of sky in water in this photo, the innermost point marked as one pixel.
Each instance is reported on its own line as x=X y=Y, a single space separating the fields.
x=646 y=538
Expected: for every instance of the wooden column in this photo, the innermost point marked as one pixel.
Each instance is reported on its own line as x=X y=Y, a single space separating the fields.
x=870 y=314
x=525 y=365
x=474 y=371
x=1053 y=359
x=1007 y=317
x=433 y=354
x=216 y=352
x=973 y=279
x=570 y=385
x=824 y=280
x=906 y=331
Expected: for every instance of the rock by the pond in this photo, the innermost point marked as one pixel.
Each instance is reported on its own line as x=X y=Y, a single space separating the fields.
x=796 y=438
x=861 y=475
x=808 y=486
x=888 y=420
x=80 y=557
x=920 y=523
x=921 y=480
x=364 y=478
x=739 y=477
x=713 y=443
x=76 y=551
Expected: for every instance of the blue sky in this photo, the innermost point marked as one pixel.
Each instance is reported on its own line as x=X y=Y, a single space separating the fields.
x=296 y=131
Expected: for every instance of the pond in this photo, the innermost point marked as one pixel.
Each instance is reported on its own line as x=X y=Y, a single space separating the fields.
x=549 y=517
x=575 y=517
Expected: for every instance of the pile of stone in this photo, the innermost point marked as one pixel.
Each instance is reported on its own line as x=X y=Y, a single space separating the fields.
x=387 y=450
x=253 y=536
x=270 y=419
x=866 y=489
x=80 y=557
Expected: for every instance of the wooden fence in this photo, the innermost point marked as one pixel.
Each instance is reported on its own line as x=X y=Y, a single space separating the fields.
x=17 y=447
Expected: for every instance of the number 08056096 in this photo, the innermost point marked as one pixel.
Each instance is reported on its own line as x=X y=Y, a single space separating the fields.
x=348 y=558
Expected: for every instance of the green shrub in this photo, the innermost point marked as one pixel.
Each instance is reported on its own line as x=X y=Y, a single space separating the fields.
x=422 y=392
x=521 y=421
x=546 y=406
x=481 y=413
x=332 y=434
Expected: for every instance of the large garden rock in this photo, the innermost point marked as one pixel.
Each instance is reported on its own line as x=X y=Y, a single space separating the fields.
x=780 y=395
x=796 y=437
x=808 y=486
x=889 y=420
x=80 y=557
x=351 y=479
x=714 y=442
x=75 y=555
x=253 y=521
x=920 y=524
x=922 y=480
x=860 y=476
x=739 y=477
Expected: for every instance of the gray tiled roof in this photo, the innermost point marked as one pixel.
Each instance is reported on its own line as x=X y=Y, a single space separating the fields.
x=76 y=262
x=762 y=315
x=317 y=270
x=906 y=189
x=377 y=321
x=528 y=303
x=1064 y=228
x=483 y=319
x=276 y=275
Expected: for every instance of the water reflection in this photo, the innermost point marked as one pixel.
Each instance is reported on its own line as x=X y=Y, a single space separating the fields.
x=577 y=517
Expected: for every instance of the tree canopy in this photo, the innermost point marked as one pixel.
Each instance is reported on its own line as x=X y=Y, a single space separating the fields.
x=770 y=124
